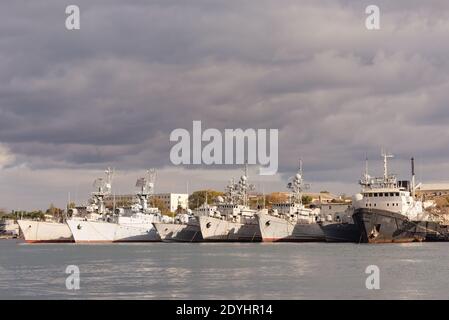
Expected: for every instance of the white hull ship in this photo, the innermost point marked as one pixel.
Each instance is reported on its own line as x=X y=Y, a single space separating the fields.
x=234 y=221
x=179 y=232
x=244 y=228
x=133 y=230
x=292 y=221
x=185 y=227
x=135 y=225
x=277 y=229
x=53 y=232
x=44 y=232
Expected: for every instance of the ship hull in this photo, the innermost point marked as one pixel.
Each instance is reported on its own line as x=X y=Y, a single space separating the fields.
x=105 y=232
x=171 y=232
x=275 y=229
x=44 y=232
x=341 y=232
x=217 y=230
x=380 y=226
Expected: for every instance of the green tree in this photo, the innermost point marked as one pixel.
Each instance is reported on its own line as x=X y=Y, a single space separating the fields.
x=33 y=215
x=56 y=213
x=198 y=198
x=306 y=200
x=276 y=197
x=158 y=203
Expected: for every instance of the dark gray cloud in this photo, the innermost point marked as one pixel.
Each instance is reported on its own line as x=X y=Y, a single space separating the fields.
x=111 y=93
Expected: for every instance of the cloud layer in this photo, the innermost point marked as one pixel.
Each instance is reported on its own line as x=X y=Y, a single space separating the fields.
x=111 y=93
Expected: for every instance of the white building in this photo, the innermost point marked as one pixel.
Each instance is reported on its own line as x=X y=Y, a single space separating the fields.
x=433 y=189
x=172 y=200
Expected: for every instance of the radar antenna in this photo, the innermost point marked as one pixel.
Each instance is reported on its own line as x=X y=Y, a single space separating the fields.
x=297 y=186
x=366 y=178
x=146 y=188
x=103 y=188
x=386 y=156
x=244 y=187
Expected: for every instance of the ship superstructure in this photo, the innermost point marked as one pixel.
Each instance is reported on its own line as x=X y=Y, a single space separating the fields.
x=133 y=224
x=233 y=221
x=291 y=221
x=386 y=210
x=48 y=232
x=185 y=226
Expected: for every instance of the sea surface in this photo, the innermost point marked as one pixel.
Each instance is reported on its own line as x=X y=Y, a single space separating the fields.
x=224 y=271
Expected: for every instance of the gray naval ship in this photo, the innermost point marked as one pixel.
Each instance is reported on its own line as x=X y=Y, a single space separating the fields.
x=185 y=227
x=292 y=221
x=387 y=210
x=339 y=226
x=233 y=221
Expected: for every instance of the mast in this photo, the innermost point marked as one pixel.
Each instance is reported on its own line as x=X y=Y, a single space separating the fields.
x=146 y=186
x=299 y=186
x=241 y=188
x=66 y=214
x=103 y=188
x=386 y=156
x=412 y=187
x=296 y=186
x=228 y=192
x=365 y=180
x=113 y=203
x=264 y=199
x=109 y=175
x=366 y=167
x=243 y=185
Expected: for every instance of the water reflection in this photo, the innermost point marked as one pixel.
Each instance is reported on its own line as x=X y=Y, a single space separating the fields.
x=224 y=271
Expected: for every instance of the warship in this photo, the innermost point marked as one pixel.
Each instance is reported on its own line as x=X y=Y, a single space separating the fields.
x=44 y=232
x=233 y=221
x=185 y=226
x=292 y=221
x=387 y=210
x=339 y=226
x=8 y=229
x=55 y=232
x=133 y=224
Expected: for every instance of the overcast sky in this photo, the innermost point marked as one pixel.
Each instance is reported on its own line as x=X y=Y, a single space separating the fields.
x=74 y=102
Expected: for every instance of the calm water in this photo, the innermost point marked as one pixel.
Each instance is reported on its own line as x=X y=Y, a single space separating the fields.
x=224 y=271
